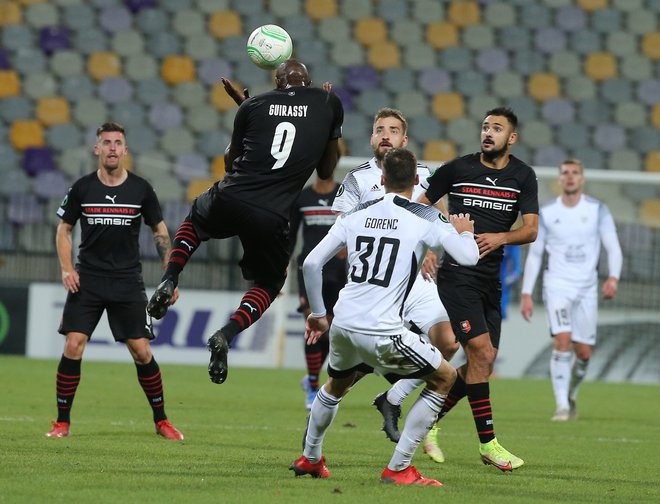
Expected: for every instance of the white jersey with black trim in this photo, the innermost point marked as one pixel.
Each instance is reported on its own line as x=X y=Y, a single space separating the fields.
x=363 y=184
x=385 y=239
x=572 y=237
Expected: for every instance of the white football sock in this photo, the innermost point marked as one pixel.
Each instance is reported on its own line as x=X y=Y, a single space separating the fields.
x=323 y=412
x=560 y=374
x=402 y=389
x=419 y=421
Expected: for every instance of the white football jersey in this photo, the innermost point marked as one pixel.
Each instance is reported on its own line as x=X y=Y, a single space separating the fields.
x=386 y=241
x=572 y=237
x=362 y=184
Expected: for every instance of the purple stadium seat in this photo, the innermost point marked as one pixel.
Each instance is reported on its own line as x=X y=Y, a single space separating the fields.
x=191 y=166
x=138 y=5
x=550 y=40
x=347 y=98
x=648 y=91
x=51 y=184
x=493 y=60
x=571 y=18
x=362 y=77
x=54 y=38
x=210 y=70
x=5 y=64
x=115 y=18
x=116 y=90
x=164 y=116
x=434 y=81
x=24 y=209
x=558 y=111
x=38 y=160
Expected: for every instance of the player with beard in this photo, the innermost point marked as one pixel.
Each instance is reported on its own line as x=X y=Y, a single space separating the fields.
x=494 y=187
x=423 y=310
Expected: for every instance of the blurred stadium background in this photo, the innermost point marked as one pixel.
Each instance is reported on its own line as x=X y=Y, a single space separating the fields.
x=582 y=75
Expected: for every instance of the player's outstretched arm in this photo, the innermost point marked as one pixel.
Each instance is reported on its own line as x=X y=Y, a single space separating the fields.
x=233 y=92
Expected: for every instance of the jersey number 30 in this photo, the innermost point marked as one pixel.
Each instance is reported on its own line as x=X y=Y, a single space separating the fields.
x=282 y=143
x=386 y=247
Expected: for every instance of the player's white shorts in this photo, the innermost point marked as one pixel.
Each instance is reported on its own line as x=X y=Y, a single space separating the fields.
x=402 y=354
x=573 y=310
x=423 y=305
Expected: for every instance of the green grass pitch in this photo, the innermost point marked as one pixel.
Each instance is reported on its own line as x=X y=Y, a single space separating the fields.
x=242 y=436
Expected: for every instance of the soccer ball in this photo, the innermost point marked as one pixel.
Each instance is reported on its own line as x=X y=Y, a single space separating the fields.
x=268 y=46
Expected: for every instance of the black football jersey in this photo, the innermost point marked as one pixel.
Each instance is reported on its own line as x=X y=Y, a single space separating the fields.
x=283 y=134
x=493 y=198
x=313 y=211
x=110 y=219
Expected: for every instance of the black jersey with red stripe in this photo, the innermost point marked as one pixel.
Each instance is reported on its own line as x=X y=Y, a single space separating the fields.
x=283 y=134
x=110 y=219
x=494 y=198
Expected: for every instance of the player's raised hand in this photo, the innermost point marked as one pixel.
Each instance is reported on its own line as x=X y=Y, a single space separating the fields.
x=462 y=222
x=233 y=92
x=315 y=327
x=327 y=86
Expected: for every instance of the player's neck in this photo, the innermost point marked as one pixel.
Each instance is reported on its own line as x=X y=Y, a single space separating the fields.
x=113 y=177
x=570 y=200
x=496 y=163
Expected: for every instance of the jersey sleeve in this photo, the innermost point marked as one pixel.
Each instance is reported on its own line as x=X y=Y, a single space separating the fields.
x=534 y=259
x=70 y=209
x=529 y=195
x=151 y=211
x=338 y=113
x=439 y=183
x=348 y=195
x=313 y=266
x=462 y=247
x=610 y=241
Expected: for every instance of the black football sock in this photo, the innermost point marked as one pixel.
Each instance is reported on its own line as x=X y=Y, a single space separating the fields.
x=66 y=384
x=152 y=384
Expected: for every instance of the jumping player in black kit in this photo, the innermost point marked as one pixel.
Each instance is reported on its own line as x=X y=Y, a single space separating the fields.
x=110 y=205
x=279 y=138
x=313 y=210
x=493 y=187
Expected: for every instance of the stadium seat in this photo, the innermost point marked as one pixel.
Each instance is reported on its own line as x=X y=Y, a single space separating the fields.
x=644 y=138
x=600 y=66
x=115 y=90
x=534 y=15
x=413 y=102
x=362 y=77
x=492 y=60
x=64 y=136
x=210 y=70
x=478 y=37
x=291 y=10
x=428 y=11
x=189 y=22
x=169 y=188
x=334 y=29
x=29 y=61
x=347 y=98
x=127 y=43
x=370 y=31
x=508 y=84
x=439 y=150
x=76 y=87
x=471 y=83
x=152 y=164
x=38 y=160
x=225 y=24
x=319 y=9
x=51 y=184
x=570 y=18
x=176 y=141
x=115 y=18
x=220 y=99
x=358 y=124
x=142 y=139
x=150 y=91
x=526 y=62
x=10 y=14
x=609 y=137
x=549 y=155
x=499 y=14
x=621 y=44
x=640 y=22
x=456 y=59
x=152 y=21
x=420 y=57
x=648 y=91
x=424 y=128
x=514 y=37
x=102 y=65
x=39 y=15
x=651 y=45
x=463 y=132
x=463 y=13
x=54 y=38
x=585 y=42
x=627 y=159
x=218 y=167
x=564 y=64
x=90 y=112
x=212 y=143
x=26 y=133
x=391 y=10
x=189 y=94
x=580 y=88
x=197 y=187
x=652 y=161
x=165 y=116
x=592 y=5
x=191 y=166
x=5 y=63
x=593 y=112
x=558 y=111
x=448 y=106
x=396 y=79
x=346 y=53
x=406 y=32
x=164 y=44
x=90 y=41
x=636 y=67
x=176 y=69
x=53 y=110
x=384 y=55
x=200 y=46
x=434 y=80
x=550 y=40
x=141 y=66
x=649 y=212
x=440 y=35
x=372 y=100
x=543 y=86
x=478 y=105
x=573 y=135
x=39 y=85
x=536 y=134
x=10 y=83
x=630 y=114
x=138 y=5
x=24 y=209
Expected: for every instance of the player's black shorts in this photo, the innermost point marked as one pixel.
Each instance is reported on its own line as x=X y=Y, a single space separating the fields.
x=333 y=282
x=124 y=300
x=472 y=303
x=263 y=234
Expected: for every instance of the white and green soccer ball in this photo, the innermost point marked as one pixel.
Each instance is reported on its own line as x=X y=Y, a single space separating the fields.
x=268 y=46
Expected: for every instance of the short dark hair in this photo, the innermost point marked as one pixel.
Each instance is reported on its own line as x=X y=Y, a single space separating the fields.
x=399 y=169
x=110 y=126
x=392 y=112
x=505 y=112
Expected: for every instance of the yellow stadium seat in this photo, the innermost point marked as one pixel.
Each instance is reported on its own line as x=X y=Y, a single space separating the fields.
x=30 y=2
x=448 y=106
x=600 y=66
x=104 y=64
x=464 y=13
x=652 y=161
x=53 y=110
x=592 y=5
x=543 y=86
x=197 y=187
x=649 y=212
x=10 y=13
x=370 y=31
x=218 y=167
x=441 y=35
x=655 y=115
x=26 y=133
x=177 y=69
x=221 y=99
x=440 y=150
x=385 y=55
x=225 y=24
x=651 y=45
x=319 y=9
x=10 y=83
